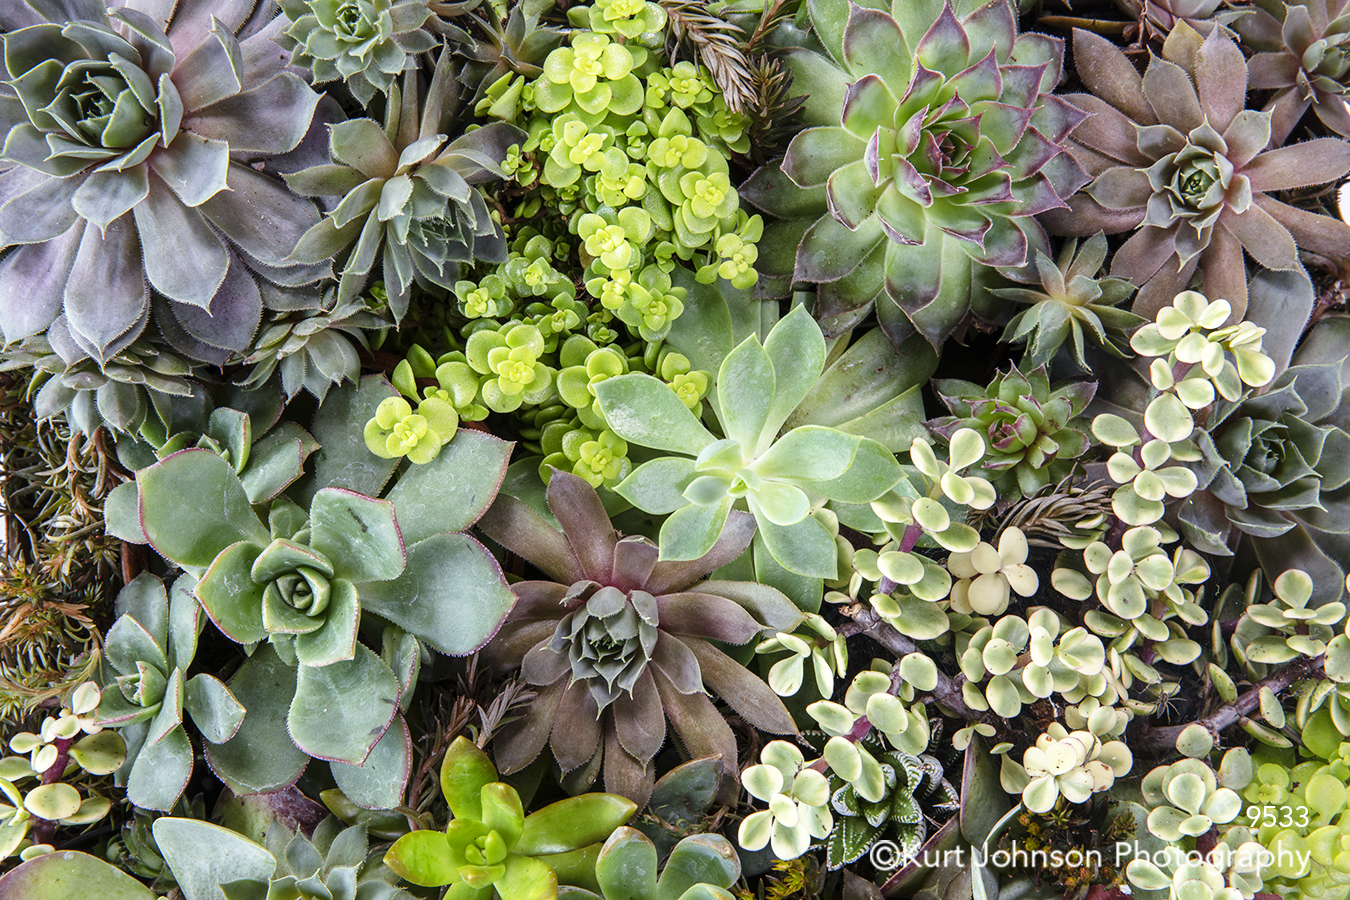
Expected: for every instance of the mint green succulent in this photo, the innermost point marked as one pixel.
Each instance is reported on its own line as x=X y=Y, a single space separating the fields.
x=779 y=479
x=396 y=430
x=509 y=365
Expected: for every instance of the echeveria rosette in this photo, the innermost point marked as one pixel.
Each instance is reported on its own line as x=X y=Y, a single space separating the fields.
x=303 y=581
x=1027 y=423
x=1177 y=156
x=1071 y=302
x=619 y=641
x=408 y=193
x=780 y=479
x=129 y=164
x=367 y=43
x=149 y=650
x=491 y=848
x=1276 y=467
x=1303 y=54
x=949 y=145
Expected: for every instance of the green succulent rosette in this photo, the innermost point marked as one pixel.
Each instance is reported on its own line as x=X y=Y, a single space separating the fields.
x=1028 y=425
x=933 y=143
x=365 y=43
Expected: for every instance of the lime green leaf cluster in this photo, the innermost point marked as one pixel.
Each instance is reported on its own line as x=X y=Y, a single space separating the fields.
x=396 y=430
x=492 y=849
x=630 y=18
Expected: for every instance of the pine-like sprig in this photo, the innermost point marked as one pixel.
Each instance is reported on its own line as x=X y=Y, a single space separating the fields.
x=720 y=46
x=1064 y=510
x=773 y=111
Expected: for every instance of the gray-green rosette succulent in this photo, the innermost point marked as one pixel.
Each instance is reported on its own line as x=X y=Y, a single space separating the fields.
x=367 y=43
x=136 y=385
x=135 y=166
x=303 y=582
x=408 y=194
x=934 y=142
x=149 y=650
x=782 y=480
x=210 y=862
x=1276 y=467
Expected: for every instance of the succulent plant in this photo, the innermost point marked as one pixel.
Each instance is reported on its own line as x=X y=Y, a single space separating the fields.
x=1028 y=425
x=915 y=791
x=699 y=867
x=1188 y=167
x=948 y=145
x=1073 y=300
x=1071 y=765
x=492 y=849
x=367 y=43
x=211 y=862
x=1301 y=55
x=135 y=385
x=150 y=649
x=815 y=640
x=1186 y=799
x=129 y=168
x=1273 y=467
x=987 y=577
x=1292 y=627
x=780 y=479
x=618 y=641
x=314 y=347
x=267 y=455
x=799 y=803
x=65 y=744
x=302 y=581
x=408 y=194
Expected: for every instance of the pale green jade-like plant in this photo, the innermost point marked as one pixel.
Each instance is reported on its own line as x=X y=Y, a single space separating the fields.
x=798 y=795
x=1070 y=765
x=780 y=479
x=491 y=848
x=29 y=816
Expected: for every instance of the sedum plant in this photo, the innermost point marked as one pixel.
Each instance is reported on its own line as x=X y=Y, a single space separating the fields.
x=699 y=867
x=933 y=143
x=149 y=650
x=129 y=168
x=619 y=641
x=1175 y=155
x=492 y=849
x=1301 y=55
x=408 y=194
x=780 y=479
x=334 y=863
x=1032 y=429
x=1073 y=301
x=366 y=43
x=1185 y=799
x=987 y=577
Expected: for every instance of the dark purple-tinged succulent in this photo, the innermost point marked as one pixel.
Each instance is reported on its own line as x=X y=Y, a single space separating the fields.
x=617 y=643
x=1304 y=56
x=134 y=135
x=1177 y=156
x=934 y=143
